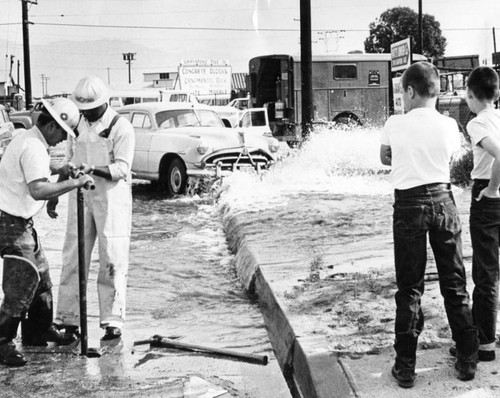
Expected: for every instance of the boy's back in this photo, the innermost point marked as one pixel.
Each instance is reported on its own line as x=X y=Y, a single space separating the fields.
x=422 y=143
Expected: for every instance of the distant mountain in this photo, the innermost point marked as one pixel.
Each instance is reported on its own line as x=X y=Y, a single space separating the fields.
x=66 y=62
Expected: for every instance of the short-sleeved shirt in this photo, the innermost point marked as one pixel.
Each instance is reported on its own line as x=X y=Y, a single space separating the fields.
x=486 y=124
x=26 y=159
x=422 y=143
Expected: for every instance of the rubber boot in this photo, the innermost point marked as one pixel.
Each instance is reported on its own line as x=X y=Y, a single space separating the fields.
x=37 y=328
x=9 y=355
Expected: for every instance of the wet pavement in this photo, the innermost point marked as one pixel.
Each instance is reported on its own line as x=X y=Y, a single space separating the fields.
x=319 y=256
x=182 y=284
x=312 y=241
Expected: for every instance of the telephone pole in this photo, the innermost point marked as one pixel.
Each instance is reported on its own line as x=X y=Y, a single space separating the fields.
x=129 y=57
x=26 y=51
x=420 y=29
x=306 y=67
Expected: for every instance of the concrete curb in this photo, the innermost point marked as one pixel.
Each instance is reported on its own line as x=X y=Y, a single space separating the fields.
x=310 y=370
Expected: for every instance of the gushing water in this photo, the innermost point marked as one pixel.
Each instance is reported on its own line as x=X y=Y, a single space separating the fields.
x=333 y=161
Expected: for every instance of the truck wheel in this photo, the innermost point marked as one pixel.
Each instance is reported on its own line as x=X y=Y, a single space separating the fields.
x=174 y=177
x=348 y=120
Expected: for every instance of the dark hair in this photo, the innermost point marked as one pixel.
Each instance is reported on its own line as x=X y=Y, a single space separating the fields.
x=423 y=77
x=483 y=82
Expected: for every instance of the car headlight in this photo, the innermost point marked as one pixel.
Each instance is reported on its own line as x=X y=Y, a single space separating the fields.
x=202 y=147
x=274 y=145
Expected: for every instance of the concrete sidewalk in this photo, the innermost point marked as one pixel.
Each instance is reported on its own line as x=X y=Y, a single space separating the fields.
x=272 y=263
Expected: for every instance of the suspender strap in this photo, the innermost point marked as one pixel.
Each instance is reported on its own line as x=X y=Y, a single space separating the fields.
x=105 y=133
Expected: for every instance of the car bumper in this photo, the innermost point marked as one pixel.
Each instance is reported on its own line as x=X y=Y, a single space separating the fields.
x=217 y=171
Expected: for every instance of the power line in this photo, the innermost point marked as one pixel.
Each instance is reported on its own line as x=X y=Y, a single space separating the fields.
x=212 y=28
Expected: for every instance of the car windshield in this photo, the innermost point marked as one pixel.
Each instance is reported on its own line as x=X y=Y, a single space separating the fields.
x=209 y=118
x=187 y=118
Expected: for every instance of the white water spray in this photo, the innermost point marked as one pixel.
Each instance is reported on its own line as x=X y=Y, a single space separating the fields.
x=333 y=161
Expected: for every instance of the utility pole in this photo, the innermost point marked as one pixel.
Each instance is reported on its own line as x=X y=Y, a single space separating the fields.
x=128 y=57
x=109 y=76
x=26 y=52
x=306 y=67
x=420 y=29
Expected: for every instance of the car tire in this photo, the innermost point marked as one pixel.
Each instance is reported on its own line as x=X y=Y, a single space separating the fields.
x=174 y=177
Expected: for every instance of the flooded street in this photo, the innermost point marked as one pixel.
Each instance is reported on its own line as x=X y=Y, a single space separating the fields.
x=327 y=209
x=180 y=262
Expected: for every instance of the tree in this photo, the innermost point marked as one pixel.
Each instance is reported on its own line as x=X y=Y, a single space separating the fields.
x=397 y=24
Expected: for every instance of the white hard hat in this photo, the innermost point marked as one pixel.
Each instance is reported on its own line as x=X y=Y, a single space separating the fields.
x=64 y=112
x=90 y=92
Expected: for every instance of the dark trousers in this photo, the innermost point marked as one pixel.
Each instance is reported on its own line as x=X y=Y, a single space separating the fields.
x=18 y=237
x=429 y=210
x=484 y=231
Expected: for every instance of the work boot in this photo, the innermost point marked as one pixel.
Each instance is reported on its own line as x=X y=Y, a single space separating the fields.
x=466 y=370
x=112 y=333
x=9 y=355
x=50 y=335
x=405 y=377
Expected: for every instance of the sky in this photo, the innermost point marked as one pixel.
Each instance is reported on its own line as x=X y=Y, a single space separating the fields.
x=70 y=39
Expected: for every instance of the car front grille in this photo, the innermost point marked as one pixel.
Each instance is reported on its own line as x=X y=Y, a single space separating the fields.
x=239 y=159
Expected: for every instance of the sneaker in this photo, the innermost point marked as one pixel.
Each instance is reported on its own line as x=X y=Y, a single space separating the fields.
x=51 y=335
x=10 y=356
x=405 y=377
x=483 y=356
x=112 y=333
x=466 y=370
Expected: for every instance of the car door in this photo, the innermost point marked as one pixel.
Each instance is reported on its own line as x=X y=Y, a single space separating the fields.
x=143 y=128
x=255 y=121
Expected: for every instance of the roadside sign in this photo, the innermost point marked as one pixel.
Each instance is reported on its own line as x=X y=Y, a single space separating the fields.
x=205 y=77
x=400 y=55
x=399 y=108
x=495 y=58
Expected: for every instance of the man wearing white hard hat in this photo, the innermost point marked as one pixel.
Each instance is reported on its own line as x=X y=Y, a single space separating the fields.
x=104 y=147
x=25 y=170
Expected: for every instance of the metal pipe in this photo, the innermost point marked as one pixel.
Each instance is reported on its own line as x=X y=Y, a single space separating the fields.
x=82 y=273
x=160 y=341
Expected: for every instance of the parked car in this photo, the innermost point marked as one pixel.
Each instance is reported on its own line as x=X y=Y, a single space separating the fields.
x=175 y=141
x=6 y=129
x=27 y=118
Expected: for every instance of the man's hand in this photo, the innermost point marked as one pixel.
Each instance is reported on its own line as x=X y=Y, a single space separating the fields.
x=86 y=168
x=489 y=193
x=85 y=181
x=51 y=207
x=66 y=170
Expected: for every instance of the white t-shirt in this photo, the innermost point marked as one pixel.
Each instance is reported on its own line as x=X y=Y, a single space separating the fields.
x=486 y=124
x=26 y=159
x=422 y=143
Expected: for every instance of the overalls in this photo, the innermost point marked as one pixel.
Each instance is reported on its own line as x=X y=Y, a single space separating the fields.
x=108 y=217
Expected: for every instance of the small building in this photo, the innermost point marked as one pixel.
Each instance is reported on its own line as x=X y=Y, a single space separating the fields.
x=167 y=80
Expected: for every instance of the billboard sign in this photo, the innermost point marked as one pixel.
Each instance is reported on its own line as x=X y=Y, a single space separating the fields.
x=205 y=77
x=400 y=55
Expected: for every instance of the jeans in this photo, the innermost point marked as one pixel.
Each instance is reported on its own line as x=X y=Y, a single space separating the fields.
x=18 y=237
x=418 y=212
x=484 y=231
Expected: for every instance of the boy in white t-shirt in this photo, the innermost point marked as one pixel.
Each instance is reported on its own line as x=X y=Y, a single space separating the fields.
x=419 y=146
x=484 y=130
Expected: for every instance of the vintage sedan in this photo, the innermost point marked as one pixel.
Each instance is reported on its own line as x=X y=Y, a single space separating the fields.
x=175 y=141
